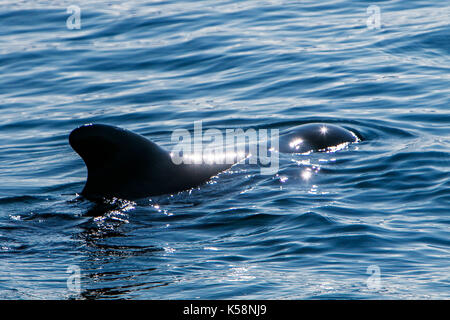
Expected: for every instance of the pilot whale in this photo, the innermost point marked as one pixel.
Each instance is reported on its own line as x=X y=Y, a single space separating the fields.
x=315 y=137
x=126 y=165
x=123 y=164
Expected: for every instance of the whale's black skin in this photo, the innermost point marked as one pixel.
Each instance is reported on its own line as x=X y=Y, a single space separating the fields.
x=315 y=137
x=126 y=165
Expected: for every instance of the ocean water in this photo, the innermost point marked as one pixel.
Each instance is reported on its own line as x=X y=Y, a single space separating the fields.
x=370 y=221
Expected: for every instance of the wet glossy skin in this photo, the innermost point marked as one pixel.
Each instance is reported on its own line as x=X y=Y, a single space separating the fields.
x=315 y=137
x=124 y=164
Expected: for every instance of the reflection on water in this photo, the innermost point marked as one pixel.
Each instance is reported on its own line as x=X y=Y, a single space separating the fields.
x=311 y=230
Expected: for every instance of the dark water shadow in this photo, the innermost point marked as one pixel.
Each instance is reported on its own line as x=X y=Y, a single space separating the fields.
x=114 y=264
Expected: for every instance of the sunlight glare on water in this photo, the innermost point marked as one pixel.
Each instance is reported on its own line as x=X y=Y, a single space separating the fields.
x=313 y=230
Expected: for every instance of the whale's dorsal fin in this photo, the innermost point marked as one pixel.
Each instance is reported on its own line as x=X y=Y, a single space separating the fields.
x=118 y=161
x=123 y=164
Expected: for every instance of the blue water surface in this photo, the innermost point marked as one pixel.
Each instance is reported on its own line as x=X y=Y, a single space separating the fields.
x=370 y=221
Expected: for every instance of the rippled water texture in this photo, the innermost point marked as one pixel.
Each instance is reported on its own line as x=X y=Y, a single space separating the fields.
x=370 y=221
